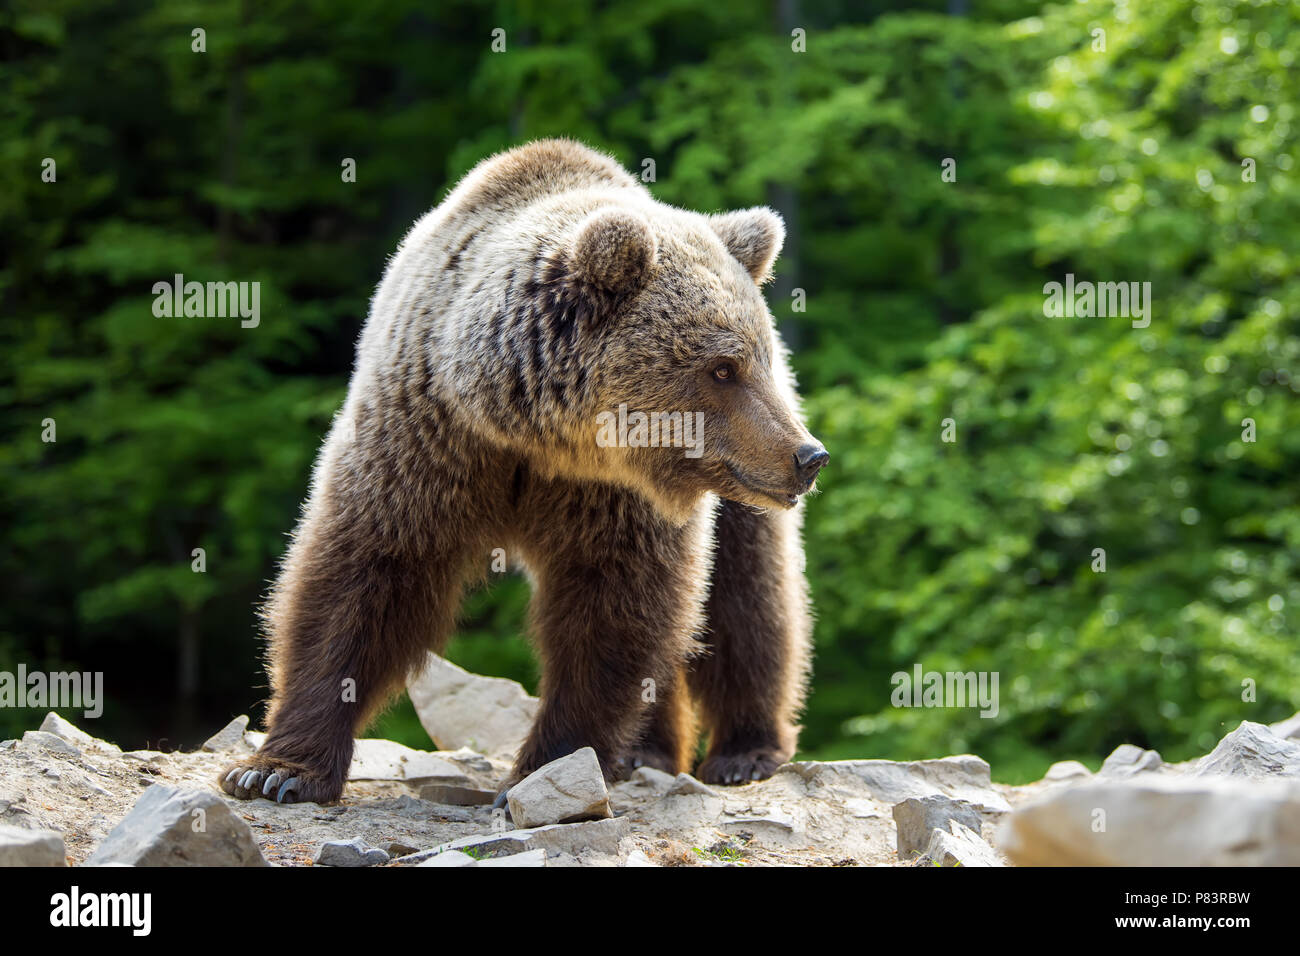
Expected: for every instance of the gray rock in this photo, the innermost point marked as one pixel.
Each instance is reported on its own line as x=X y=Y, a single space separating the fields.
x=1252 y=750
x=451 y=858
x=1288 y=729
x=173 y=827
x=565 y=790
x=960 y=846
x=761 y=820
x=54 y=724
x=529 y=858
x=654 y=779
x=374 y=759
x=684 y=784
x=19 y=847
x=1127 y=760
x=592 y=836
x=455 y=858
x=354 y=852
x=470 y=761
x=144 y=756
x=638 y=858
x=450 y=795
x=1067 y=770
x=459 y=709
x=918 y=817
x=963 y=777
x=229 y=737
x=688 y=811
x=1159 y=820
x=418 y=808
x=48 y=741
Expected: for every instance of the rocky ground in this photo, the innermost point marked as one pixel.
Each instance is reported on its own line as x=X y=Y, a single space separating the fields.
x=66 y=797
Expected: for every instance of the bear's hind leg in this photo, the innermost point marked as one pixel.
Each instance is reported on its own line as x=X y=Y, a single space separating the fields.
x=667 y=741
x=750 y=683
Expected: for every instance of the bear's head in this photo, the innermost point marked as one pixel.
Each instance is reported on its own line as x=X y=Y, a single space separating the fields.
x=689 y=386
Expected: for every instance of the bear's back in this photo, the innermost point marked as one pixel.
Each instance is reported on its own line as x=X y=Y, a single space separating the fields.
x=445 y=316
x=543 y=168
x=491 y=217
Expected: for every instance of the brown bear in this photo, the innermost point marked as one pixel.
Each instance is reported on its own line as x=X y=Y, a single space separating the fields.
x=528 y=337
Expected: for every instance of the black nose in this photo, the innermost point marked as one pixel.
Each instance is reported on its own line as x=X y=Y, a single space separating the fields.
x=810 y=459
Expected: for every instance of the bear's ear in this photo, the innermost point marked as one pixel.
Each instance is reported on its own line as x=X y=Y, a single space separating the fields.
x=754 y=236
x=615 y=251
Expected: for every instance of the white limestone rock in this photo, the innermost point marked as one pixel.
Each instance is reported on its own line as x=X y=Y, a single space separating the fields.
x=1254 y=751
x=459 y=709
x=918 y=817
x=566 y=790
x=229 y=738
x=21 y=847
x=959 y=845
x=1127 y=760
x=1064 y=770
x=173 y=827
x=1159 y=820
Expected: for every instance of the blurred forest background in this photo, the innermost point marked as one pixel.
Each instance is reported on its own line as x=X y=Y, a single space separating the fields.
x=1166 y=153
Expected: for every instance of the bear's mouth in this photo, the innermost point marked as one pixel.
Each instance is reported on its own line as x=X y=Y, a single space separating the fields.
x=784 y=498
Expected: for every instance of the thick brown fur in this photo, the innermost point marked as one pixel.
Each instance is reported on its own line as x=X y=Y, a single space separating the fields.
x=548 y=288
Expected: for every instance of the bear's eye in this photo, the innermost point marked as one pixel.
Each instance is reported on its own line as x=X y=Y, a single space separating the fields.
x=724 y=372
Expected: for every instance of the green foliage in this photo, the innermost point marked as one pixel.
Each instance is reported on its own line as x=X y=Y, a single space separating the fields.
x=924 y=302
x=1076 y=434
x=722 y=853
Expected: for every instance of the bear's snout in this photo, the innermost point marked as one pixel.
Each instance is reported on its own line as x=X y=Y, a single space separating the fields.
x=809 y=460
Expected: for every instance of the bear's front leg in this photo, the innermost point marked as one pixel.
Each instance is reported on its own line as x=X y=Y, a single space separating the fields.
x=353 y=612
x=618 y=600
x=750 y=684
